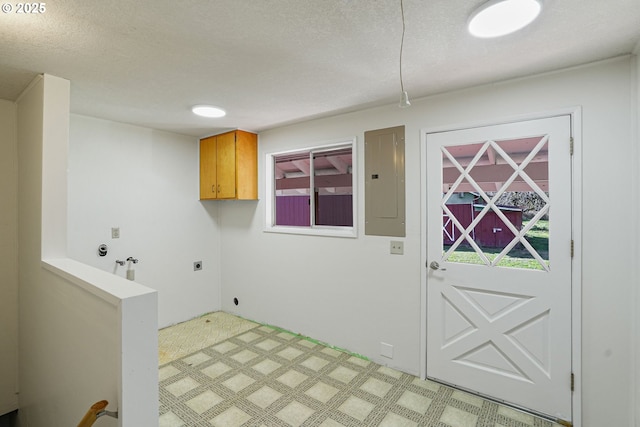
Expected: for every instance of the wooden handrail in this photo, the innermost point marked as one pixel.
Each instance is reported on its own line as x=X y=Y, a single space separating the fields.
x=93 y=413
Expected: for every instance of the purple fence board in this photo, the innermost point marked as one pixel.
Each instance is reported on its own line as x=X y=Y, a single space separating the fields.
x=334 y=210
x=292 y=210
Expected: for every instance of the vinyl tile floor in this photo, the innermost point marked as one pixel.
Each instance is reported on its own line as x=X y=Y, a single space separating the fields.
x=188 y=337
x=221 y=370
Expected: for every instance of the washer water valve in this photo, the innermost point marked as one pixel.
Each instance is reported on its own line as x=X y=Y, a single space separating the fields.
x=131 y=273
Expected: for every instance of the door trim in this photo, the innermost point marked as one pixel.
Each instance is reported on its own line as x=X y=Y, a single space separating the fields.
x=575 y=114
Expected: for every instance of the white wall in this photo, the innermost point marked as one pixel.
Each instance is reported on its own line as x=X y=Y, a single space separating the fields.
x=30 y=127
x=8 y=258
x=84 y=335
x=104 y=346
x=145 y=182
x=636 y=189
x=352 y=293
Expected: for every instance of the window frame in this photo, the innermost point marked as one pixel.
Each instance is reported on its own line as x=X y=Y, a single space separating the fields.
x=312 y=230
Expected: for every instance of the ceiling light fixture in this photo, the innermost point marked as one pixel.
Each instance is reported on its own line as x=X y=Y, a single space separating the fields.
x=208 y=111
x=404 y=99
x=497 y=18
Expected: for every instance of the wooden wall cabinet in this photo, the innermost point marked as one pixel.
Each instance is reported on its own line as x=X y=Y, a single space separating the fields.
x=229 y=166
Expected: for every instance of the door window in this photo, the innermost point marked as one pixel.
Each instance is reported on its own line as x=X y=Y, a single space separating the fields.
x=495 y=204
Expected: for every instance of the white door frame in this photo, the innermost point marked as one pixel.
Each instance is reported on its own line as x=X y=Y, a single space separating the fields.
x=576 y=231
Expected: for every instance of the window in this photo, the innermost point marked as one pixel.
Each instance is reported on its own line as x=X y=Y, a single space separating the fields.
x=496 y=203
x=311 y=191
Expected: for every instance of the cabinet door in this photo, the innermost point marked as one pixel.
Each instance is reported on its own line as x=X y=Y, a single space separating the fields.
x=247 y=169
x=208 y=160
x=226 y=166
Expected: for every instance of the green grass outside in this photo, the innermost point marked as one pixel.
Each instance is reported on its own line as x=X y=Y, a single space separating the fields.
x=518 y=257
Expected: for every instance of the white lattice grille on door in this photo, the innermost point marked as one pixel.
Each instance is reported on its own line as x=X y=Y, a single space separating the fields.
x=489 y=170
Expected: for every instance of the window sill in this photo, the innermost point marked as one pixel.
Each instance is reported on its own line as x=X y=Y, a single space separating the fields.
x=348 y=232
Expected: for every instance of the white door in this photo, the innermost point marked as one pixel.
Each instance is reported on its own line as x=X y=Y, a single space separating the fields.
x=499 y=245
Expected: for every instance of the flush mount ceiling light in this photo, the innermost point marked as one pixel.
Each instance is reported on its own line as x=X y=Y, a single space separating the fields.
x=497 y=18
x=208 y=111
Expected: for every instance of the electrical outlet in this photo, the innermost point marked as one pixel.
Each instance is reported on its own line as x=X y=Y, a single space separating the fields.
x=397 y=247
x=115 y=232
x=197 y=265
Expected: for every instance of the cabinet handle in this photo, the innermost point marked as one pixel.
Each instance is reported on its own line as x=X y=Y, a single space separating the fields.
x=213 y=188
x=218 y=188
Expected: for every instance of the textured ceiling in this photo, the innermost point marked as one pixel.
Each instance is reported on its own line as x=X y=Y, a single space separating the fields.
x=271 y=62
